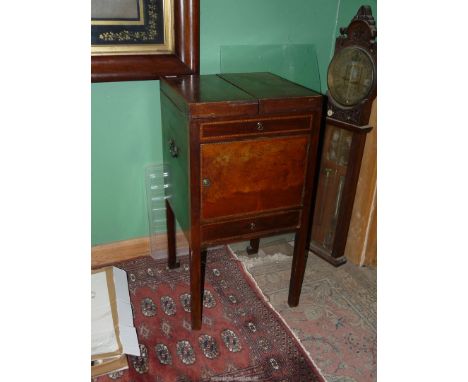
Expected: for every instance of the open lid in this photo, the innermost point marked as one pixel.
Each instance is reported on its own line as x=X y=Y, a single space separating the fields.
x=208 y=96
x=275 y=94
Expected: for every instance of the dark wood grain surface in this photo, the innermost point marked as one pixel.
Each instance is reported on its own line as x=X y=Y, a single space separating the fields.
x=264 y=85
x=250 y=227
x=208 y=96
x=275 y=94
x=248 y=169
x=254 y=127
x=251 y=176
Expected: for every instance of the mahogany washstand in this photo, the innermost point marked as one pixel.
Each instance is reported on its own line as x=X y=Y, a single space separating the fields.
x=242 y=152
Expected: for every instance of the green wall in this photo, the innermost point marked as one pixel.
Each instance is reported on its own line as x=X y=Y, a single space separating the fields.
x=126 y=116
x=125 y=136
x=254 y=22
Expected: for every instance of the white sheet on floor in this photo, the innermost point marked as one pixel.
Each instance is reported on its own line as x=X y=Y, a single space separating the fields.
x=106 y=328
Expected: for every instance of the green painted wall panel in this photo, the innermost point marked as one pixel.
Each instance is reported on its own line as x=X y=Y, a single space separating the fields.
x=125 y=137
x=126 y=116
x=257 y=22
x=295 y=62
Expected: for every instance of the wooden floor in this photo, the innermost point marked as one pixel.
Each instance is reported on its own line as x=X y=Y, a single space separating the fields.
x=106 y=254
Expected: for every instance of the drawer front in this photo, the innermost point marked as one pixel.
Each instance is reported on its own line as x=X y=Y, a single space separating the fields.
x=250 y=226
x=252 y=176
x=259 y=126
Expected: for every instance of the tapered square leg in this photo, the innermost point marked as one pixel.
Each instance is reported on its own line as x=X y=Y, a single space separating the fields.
x=252 y=249
x=298 y=267
x=171 y=238
x=196 y=287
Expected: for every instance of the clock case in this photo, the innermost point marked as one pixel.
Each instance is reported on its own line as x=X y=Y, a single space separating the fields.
x=361 y=33
x=341 y=150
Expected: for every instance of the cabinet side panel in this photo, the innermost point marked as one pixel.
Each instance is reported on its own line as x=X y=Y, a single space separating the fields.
x=175 y=129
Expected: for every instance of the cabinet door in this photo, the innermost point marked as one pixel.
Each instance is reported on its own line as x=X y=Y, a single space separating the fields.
x=252 y=176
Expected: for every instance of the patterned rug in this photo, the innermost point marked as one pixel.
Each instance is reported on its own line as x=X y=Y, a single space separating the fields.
x=242 y=337
x=336 y=319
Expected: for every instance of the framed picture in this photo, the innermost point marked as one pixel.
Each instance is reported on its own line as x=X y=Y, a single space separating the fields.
x=132 y=26
x=144 y=39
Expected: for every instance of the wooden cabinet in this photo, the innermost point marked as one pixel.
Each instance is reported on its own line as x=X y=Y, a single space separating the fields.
x=241 y=151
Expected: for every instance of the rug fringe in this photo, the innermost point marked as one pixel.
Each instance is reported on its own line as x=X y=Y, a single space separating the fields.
x=285 y=324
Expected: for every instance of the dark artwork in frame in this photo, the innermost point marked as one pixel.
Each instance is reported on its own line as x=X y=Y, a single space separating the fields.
x=132 y=27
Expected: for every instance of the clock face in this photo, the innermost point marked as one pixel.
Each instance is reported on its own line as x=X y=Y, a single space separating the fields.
x=350 y=76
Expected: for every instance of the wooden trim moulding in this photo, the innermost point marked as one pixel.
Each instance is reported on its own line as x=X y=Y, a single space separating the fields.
x=111 y=253
x=361 y=247
x=184 y=60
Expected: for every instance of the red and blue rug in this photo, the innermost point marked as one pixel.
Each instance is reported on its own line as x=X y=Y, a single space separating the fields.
x=242 y=337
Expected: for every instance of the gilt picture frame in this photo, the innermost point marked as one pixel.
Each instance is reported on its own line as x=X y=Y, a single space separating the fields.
x=132 y=27
x=144 y=39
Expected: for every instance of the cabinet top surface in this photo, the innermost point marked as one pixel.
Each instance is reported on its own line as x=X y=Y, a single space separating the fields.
x=268 y=85
x=206 y=88
x=235 y=93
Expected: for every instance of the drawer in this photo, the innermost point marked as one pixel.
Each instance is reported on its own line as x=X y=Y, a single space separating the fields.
x=250 y=227
x=258 y=126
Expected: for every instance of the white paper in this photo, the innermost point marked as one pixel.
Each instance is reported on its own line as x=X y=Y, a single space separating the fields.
x=103 y=339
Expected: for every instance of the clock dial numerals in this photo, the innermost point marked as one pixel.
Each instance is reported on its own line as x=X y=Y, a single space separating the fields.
x=350 y=76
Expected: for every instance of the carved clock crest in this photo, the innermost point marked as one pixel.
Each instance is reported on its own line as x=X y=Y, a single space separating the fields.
x=352 y=72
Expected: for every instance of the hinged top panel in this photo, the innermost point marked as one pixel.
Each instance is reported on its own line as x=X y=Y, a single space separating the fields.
x=238 y=94
x=275 y=94
x=208 y=96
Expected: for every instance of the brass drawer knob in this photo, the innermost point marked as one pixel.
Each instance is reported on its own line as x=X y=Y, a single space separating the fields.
x=252 y=226
x=259 y=126
x=206 y=182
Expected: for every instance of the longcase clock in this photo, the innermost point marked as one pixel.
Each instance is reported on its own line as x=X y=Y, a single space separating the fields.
x=352 y=87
